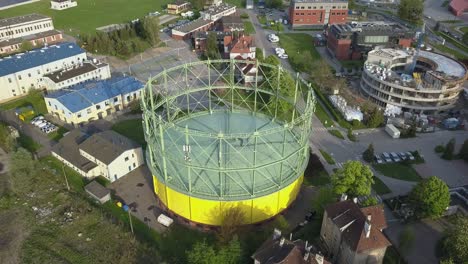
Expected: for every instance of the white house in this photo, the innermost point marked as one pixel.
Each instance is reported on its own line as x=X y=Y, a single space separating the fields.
x=93 y=100
x=25 y=71
x=62 y=4
x=76 y=74
x=106 y=154
x=242 y=47
x=216 y=12
x=20 y=26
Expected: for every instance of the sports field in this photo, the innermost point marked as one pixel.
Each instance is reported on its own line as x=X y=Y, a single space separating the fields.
x=89 y=14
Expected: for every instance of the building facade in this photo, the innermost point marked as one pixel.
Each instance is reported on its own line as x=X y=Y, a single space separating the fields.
x=189 y=30
x=20 y=26
x=93 y=100
x=216 y=12
x=458 y=7
x=178 y=7
x=106 y=154
x=354 y=40
x=353 y=235
x=315 y=14
x=25 y=71
x=77 y=74
x=433 y=86
x=40 y=39
x=62 y=4
x=242 y=47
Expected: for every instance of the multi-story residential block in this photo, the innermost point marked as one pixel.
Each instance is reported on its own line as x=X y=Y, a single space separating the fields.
x=242 y=47
x=76 y=74
x=106 y=154
x=433 y=85
x=20 y=26
x=216 y=12
x=317 y=13
x=25 y=71
x=177 y=7
x=354 y=40
x=354 y=235
x=62 y=4
x=82 y=103
x=39 y=39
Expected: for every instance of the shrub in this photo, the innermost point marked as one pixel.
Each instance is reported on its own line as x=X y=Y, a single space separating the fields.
x=439 y=149
x=351 y=136
x=244 y=16
x=327 y=157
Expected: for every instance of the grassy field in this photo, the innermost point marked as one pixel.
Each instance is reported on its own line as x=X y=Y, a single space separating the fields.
x=380 y=187
x=323 y=116
x=132 y=129
x=464 y=29
x=294 y=43
x=450 y=51
x=398 y=171
x=35 y=99
x=90 y=14
x=28 y=143
x=57 y=135
x=327 y=157
x=454 y=42
x=249 y=28
x=336 y=133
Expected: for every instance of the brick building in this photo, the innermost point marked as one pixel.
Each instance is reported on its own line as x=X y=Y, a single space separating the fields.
x=354 y=40
x=39 y=39
x=242 y=47
x=458 y=7
x=317 y=13
x=354 y=235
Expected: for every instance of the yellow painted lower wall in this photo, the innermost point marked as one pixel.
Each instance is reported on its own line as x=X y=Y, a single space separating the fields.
x=209 y=211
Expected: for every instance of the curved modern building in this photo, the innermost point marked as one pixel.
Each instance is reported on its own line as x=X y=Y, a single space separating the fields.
x=217 y=142
x=434 y=85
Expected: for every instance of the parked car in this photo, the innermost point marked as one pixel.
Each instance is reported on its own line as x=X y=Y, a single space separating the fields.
x=402 y=155
x=283 y=56
x=36 y=119
x=40 y=123
x=386 y=157
x=395 y=157
x=378 y=159
x=409 y=155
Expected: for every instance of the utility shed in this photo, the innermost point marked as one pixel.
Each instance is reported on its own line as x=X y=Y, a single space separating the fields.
x=98 y=192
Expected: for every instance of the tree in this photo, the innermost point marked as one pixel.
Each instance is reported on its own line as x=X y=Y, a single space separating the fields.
x=449 y=149
x=274 y=3
x=354 y=179
x=202 y=253
x=411 y=10
x=406 y=240
x=465 y=38
x=259 y=54
x=7 y=142
x=368 y=154
x=321 y=73
x=231 y=219
x=212 y=49
x=370 y=201
x=437 y=26
x=463 y=154
x=430 y=198
x=324 y=197
x=26 y=46
x=456 y=242
x=376 y=119
x=22 y=169
x=151 y=29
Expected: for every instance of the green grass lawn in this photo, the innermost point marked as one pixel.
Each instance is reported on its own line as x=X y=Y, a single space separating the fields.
x=35 y=99
x=238 y=3
x=262 y=19
x=398 y=171
x=58 y=134
x=294 y=43
x=380 y=187
x=249 y=28
x=445 y=3
x=350 y=64
x=90 y=14
x=28 y=143
x=464 y=29
x=132 y=129
x=450 y=51
x=323 y=116
x=327 y=157
x=453 y=41
x=336 y=133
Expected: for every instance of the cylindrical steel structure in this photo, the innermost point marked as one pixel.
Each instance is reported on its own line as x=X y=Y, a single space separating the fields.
x=224 y=134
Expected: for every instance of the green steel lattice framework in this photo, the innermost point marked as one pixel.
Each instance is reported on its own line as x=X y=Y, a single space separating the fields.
x=183 y=108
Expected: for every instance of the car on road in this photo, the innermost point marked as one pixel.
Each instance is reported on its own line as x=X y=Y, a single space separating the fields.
x=395 y=157
x=378 y=159
x=386 y=157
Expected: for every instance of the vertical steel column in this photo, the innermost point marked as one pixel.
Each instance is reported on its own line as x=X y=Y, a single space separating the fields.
x=231 y=81
x=254 y=161
x=209 y=86
x=277 y=89
x=282 y=154
x=163 y=149
x=295 y=97
x=221 y=163
x=166 y=95
x=256 y=87
x=186 y=87
x=187 y=161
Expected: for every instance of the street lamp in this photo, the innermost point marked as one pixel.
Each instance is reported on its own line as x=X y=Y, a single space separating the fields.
x=65 y=176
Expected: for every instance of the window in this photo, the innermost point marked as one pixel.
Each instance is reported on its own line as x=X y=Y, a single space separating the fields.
x=19 y=77
x=29 y=74
x=133 y=155
x=302 y=7
x=88 y=111
x=116 y=99
x=126 y=158
x=134 y=165
x=9 y=80
x=78 y=115
x=98 y=107
x=50 y=104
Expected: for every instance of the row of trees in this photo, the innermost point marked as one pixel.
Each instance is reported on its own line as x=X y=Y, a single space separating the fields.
x=448 y=151
x=133 y=38
x=412 y=11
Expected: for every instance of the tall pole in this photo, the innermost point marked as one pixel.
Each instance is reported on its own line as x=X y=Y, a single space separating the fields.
x=130 y=218
x=65 y=176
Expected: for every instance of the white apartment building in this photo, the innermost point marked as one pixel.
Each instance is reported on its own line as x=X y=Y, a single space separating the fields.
x=106 y=154
x=25 y=71
x=216 y=12
x=77 y=74
x=20 y=26
x=62 y=4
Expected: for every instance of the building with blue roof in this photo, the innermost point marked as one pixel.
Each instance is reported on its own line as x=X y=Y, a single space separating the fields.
x=25 y=71
x=93 y=100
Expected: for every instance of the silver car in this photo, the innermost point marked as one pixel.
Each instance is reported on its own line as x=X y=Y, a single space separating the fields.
x=386 y=157
x=395 y=157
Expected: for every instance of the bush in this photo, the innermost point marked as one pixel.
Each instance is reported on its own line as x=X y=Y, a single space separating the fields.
x=351 y=136
x=336 y=133
x=439 y=149
x=327 y=157
x=244 y=16
x=449 y=149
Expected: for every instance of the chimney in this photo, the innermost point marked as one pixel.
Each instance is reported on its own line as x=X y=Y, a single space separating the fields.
x=369 y=217
x=281 y=242
x=367 y=229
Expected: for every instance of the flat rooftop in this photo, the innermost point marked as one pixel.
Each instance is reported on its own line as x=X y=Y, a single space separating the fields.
x=189 y=27
x=445 y=64
x=77 y=70
x=236 y=158
x=21 y=19
x=320 y=1
x=216 y=9
x=371 y=27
